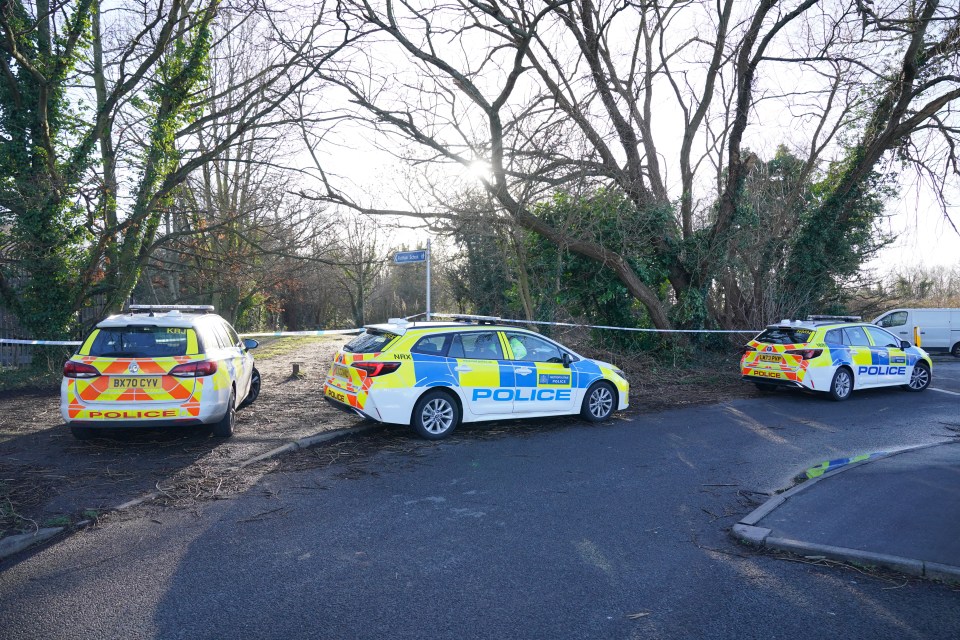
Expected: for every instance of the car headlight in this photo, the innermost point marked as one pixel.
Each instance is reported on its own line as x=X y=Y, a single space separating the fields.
x=620 y=373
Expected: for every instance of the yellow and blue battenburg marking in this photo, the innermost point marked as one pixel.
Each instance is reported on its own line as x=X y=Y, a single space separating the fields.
x=494 y=380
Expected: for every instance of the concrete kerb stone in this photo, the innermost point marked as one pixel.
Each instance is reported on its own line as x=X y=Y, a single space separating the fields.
x=908 y=566
x=15 y=544
x=942 y=572
x=751 y=534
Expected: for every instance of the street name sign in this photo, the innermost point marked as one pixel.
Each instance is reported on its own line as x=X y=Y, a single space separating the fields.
x=404 y=257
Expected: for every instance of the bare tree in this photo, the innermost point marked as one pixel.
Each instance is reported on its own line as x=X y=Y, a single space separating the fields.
x=572 y=94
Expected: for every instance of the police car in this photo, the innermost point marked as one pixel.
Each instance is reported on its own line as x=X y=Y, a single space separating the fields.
x=435 y=375
x=158 y=366
x=835 y=355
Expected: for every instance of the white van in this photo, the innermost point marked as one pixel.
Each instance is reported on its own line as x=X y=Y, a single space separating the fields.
x=939 y=328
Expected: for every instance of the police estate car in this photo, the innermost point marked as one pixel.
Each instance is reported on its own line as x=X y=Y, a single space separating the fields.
x=435 y=375
x=158 y=366
x=833 y=354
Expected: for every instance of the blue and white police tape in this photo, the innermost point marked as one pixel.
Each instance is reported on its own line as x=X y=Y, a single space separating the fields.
x=271 y=334
x=282 y=334
x=593 y=326
x=58 y=343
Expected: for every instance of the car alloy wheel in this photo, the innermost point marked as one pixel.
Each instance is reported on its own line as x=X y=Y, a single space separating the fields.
x=919 y=378
x=224 y=428
x=435 y=415
x=598 y=403
x=842 y=385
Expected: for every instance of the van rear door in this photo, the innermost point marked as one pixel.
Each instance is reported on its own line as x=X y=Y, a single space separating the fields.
x=934 y=328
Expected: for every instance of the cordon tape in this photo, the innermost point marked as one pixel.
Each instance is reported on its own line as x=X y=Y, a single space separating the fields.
x=332 y=332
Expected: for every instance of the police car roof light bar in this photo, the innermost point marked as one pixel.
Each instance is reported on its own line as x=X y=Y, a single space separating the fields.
x=839 y=318
x=160 y=308
x=466 y=317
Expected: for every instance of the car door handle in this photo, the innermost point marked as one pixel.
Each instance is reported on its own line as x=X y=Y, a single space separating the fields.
x=462 y=367
x=904 y=332
x=523 y=370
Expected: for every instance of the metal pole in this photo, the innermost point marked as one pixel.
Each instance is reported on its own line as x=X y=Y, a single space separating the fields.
x=428 y=279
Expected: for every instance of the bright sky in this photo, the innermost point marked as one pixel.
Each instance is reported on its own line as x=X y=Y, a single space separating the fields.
x=925 y=237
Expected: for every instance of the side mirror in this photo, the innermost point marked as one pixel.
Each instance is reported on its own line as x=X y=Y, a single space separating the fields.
x=905 y=345
x=250 y=343
x=566 y=359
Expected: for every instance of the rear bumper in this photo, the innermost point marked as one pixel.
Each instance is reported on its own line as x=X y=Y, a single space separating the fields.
x=208 y=409
x=347 y=408
x=134 y=424
x=776 y=382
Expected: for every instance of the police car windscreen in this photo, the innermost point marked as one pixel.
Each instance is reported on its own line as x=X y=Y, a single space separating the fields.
x=140 y=342
x=369 y=342
x=784 y=335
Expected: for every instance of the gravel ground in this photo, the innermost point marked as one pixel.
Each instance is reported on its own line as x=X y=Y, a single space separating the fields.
x=47 y=478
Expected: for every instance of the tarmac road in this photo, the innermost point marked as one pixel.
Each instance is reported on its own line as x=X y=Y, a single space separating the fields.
x=946 y=373
x=567 y=531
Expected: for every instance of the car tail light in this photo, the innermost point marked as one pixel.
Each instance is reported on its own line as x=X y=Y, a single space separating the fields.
x=374 y=369
x=194 y=369
x=73 y=369
x=748 y=348
x=805 y=354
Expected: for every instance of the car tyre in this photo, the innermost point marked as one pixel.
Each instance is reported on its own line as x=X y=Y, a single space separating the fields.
x=598 y=402
x=254 y=392
x=85 y=433
x=842 y=384
x=765 y=387
x=955 y=352
x=436 y=415
x=224 y=428
x=920 y=378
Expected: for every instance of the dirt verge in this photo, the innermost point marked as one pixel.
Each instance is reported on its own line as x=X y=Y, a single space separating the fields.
x=47 y=478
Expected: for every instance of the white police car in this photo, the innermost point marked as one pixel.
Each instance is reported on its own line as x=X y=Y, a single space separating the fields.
x=835 y=355
x=159 y=366
x=435 y=375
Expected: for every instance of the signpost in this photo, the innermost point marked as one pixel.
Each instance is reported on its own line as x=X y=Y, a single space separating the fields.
x=410 y=257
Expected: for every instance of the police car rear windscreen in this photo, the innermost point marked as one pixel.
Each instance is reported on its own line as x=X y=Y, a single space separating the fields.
x=140 y=342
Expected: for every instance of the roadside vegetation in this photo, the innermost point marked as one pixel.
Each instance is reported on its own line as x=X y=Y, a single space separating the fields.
x=587 y=161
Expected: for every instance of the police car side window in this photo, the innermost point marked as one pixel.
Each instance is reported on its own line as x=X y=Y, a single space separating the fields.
x=882 y=338
x=477 y=346
x=532 y=348
x=232 y=334
x=834 y=336
x=208 y=338
x=856 y=337
x=435 y=345
x=222 y=338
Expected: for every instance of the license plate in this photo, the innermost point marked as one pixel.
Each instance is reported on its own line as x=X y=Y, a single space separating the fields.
x=135 y=383
x=341 y=371
x=768 y=358
x=336 y=395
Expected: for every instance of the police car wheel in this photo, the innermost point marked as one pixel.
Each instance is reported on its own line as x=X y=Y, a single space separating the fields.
x=435 y=415
x=254 y=392
x=842 y=384
x=224 y=428
x=598 y=402
x=919 y=378
x=84 y=433
x=765 y=387
x=955 y=352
